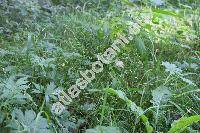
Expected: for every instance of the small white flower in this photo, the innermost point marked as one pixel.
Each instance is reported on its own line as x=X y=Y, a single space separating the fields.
x=57 y=108
x=119 y=64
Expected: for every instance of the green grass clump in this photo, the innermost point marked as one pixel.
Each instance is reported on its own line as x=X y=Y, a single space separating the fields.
x=45 y=45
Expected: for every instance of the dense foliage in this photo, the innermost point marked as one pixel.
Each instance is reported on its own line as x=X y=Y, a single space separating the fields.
x=154 y=86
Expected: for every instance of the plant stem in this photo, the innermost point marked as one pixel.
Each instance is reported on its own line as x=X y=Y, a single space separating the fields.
x=103 y=109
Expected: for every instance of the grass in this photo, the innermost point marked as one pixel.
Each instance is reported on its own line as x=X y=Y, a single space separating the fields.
x=56 y=51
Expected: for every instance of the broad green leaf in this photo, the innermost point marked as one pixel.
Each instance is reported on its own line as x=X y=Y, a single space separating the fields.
x=118 y=93
x=183 y=123
x=140 y=45
x=165 y=12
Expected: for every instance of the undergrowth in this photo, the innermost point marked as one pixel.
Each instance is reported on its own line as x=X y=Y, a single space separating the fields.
x=45 y=45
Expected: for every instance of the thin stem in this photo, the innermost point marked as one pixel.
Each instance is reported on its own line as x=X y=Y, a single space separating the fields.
x=103 y=109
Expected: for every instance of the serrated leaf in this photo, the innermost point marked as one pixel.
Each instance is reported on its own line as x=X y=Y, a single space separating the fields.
x=38 y=88
x=160 y=95
x=28 y=122
x=15 y=91
x=172 y=68
x=49 y=92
